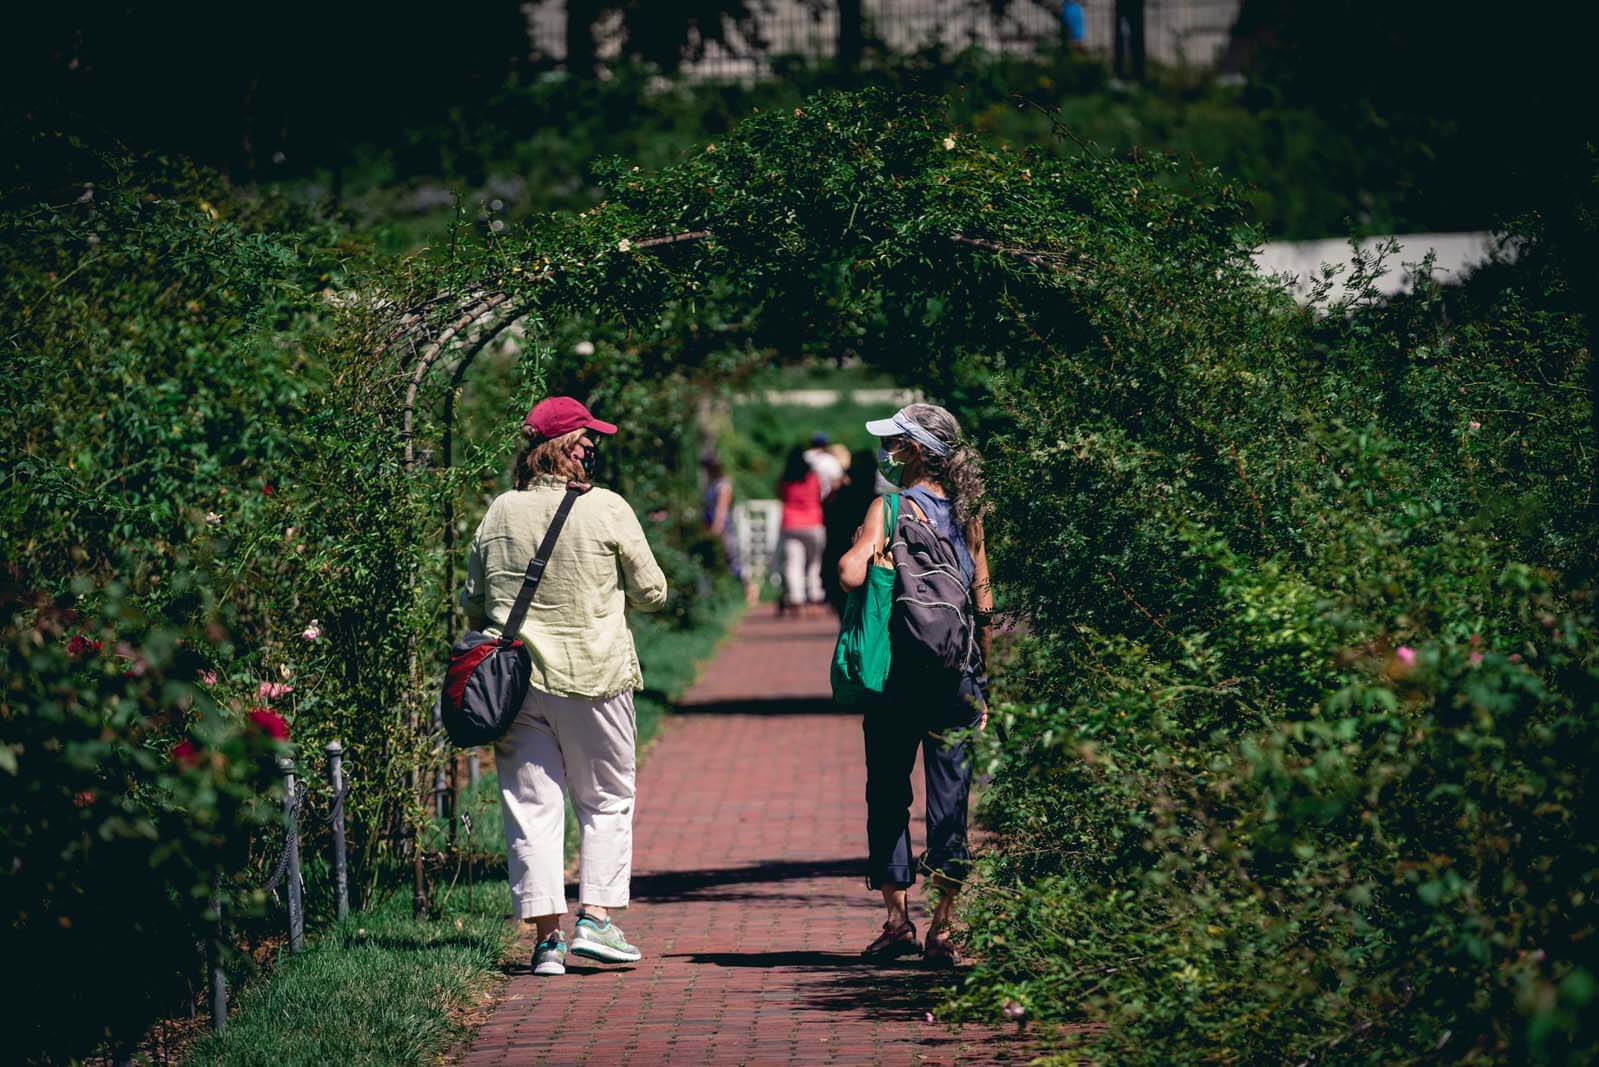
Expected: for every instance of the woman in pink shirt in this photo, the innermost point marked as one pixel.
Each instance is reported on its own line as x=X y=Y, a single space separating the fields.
x=803 y=537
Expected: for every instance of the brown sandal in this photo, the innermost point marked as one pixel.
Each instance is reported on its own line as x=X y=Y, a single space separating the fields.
x=893 y=942
x=939 y=953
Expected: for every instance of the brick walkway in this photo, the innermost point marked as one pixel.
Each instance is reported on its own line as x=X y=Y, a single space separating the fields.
x=748 y=896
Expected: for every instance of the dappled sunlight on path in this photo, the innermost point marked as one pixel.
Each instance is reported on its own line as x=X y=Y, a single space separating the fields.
x=749 y=895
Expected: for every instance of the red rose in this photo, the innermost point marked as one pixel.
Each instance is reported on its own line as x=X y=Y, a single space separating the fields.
x=83 y=798
x=270 y=723
x=80 y=644
x=186 y=753
x=267 y=490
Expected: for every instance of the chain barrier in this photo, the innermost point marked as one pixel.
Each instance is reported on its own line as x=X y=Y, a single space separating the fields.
x=289 y=835
x=295 y=829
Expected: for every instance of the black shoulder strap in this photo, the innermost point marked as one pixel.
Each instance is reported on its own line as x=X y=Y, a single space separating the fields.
x=535 y=567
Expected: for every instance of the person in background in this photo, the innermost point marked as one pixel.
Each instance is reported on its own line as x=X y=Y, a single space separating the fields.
x=844 y=512
x=718 y=516
x=829 y=471
x=941 y=475
x=1073 y=25
x=1129 y=30
x=576 y=733
x=841 y=456
x=803 y=534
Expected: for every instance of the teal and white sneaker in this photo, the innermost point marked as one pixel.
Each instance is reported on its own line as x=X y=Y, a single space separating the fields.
x=602 y=941
x=549 y=955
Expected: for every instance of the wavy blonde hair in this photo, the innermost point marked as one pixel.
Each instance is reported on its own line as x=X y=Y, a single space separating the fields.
x=546 y=455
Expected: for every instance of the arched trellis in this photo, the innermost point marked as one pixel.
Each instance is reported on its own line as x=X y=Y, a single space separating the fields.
x=476 y=319
x=894 y=188
x=479 y=317
x=472 y=322
x=875 y=185
x=436 y=329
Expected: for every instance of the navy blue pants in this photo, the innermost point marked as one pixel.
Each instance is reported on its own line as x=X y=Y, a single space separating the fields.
x=910 y=713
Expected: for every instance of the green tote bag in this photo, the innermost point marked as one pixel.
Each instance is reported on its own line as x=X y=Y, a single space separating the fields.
x=860 y=660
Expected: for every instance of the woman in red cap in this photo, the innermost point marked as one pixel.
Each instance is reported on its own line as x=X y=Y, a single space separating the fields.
x=576 y=732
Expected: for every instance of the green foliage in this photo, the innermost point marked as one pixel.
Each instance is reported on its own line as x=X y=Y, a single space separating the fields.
x=1258 y=801
x=155 y=365
x=1300 y=731
x=115 y=836
x=1304 y=174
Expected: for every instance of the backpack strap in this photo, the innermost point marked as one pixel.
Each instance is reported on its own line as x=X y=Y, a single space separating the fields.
x=535 y=567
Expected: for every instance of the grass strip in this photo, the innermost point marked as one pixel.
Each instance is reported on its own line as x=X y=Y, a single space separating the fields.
x=380 y=987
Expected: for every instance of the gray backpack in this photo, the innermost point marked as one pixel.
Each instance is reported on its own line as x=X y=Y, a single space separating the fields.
x=933 y=623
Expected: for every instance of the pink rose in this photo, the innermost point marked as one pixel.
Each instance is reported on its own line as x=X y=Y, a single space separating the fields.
x=273 y=690
x=1406 y=655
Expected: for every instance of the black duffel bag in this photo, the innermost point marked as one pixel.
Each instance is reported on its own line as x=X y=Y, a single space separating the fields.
x=488 y=676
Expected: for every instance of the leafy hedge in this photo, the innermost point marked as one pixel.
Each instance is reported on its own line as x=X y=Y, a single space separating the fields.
x=1301 y=732
x=1259 y=798
x=153 y=362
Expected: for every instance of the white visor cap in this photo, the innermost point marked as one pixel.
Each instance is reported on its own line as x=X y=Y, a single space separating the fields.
x=902 y=425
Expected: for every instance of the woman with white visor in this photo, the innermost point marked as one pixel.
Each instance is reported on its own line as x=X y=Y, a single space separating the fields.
x=940 y=475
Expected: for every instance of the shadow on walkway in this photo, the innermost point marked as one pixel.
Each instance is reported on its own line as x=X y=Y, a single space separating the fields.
x=677 y=886
x=901 y=989
x=775 y=706
x=814 y=961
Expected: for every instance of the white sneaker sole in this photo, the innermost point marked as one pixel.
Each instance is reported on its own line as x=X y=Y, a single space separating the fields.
x=550 y=968
x=597 y=950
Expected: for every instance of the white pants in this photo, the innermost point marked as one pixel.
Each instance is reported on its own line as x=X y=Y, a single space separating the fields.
x=587 y=746
x=802 y=564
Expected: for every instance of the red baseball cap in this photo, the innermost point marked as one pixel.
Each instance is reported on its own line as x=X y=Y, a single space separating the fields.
x=557 y=415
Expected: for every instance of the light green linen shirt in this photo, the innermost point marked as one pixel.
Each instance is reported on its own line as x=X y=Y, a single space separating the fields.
x=576 y=630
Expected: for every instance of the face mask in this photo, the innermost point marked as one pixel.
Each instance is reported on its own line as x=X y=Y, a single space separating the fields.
x=585 y=456
x=890 y=468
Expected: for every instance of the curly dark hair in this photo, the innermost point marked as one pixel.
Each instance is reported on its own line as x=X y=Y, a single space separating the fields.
x=960 y=472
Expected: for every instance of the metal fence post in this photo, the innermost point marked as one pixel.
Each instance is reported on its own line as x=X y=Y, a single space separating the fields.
x=219 y=978
x=291 y=848
x=341 y=875
x=474 y=769
x=441 y=785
